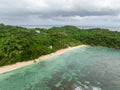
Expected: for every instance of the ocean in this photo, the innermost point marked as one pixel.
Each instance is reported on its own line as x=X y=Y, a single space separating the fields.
x=112 y=28
x=84 y=68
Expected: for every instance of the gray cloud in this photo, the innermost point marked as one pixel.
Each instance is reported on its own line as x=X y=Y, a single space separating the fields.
x=59 y=11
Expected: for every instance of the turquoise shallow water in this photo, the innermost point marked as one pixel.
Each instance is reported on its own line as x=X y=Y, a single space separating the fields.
x=86 y=68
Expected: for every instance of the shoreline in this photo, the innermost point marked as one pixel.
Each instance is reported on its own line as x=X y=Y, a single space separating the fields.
x=8 y=68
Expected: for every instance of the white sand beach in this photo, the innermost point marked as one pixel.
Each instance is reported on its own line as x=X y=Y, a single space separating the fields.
x=18 y=65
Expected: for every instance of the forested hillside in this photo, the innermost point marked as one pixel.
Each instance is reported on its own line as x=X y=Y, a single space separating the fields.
x=19 y=44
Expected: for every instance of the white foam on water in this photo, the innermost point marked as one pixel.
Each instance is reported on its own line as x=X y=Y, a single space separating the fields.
x=78 y=88
x=90 y=88
x=96 y=88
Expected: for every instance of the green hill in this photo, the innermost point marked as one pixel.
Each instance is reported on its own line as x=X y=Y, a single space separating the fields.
x=19 y=44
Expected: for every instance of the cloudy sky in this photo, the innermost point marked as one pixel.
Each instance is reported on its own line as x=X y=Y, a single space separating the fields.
x=61 y=12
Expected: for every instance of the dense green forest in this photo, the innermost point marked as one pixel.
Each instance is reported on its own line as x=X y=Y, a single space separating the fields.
x=19 y=44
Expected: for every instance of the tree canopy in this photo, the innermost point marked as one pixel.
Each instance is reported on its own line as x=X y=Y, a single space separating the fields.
x=19 y=44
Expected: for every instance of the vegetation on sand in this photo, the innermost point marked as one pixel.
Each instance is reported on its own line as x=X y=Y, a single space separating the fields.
x=19 y=44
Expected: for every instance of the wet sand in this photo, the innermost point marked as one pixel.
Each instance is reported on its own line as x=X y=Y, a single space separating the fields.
x=18 y=65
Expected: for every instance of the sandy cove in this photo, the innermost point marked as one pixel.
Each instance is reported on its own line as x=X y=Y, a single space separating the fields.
x=18 y=65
